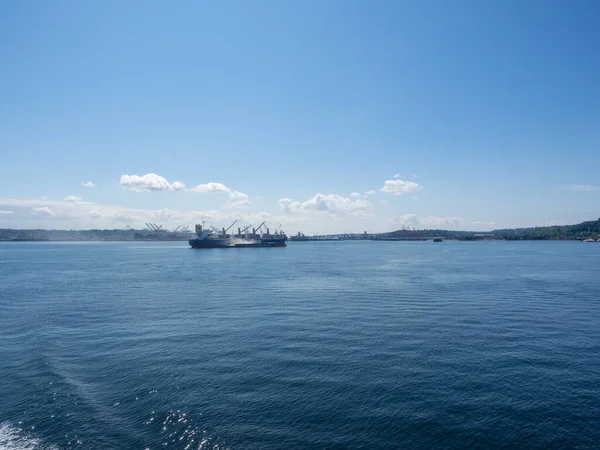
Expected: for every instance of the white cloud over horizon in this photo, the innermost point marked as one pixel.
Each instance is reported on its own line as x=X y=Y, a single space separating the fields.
x=482 y=222
x=149 y=182
x=42 y=210
x=211 y=186
x=327 y=203
x=415 y=221
x=400 y=187
x=62 y=214
x=324 y=214
x=154 y=182
x=237 y=199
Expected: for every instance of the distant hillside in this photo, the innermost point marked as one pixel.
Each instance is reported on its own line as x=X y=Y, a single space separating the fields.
x=410 y=234
x=584 y=230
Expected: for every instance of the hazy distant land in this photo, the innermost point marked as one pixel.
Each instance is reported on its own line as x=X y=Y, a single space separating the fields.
x=581 y=231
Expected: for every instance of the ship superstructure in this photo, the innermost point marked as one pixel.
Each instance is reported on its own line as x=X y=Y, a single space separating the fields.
x=212 y=238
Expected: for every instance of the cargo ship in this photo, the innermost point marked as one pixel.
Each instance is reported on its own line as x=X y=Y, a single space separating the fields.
x=215 y=238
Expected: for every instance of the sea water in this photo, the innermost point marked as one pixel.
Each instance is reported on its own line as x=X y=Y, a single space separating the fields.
x=317 y=345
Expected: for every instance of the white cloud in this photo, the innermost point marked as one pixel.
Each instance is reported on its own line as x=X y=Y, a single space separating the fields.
x=125 y=217
x=432 y=220
x=6 y=213
x=582 y=187
x=413 y=220
x=210 y=187
x=237 y=199
x=330 y=203
x=95 y=214
x=149 y=182
x=396 y=175
x=236 y=195
x=88 y=184
x=371 y=192
x=72 y=198
x=482 y=222
x=42 y=211
x=289 y=206
x=399 y=187
x=355 y=195
x=154 y=182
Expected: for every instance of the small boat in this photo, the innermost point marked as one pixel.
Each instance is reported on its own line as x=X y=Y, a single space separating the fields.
x=438 y=240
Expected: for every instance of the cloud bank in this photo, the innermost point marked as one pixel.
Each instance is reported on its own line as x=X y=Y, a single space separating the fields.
x=415 y=221
x=62 y=214
x=330 y=203
x=149 y=182
x=42 y=211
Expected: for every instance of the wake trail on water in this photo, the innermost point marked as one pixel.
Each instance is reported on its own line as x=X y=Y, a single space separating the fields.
x=15 y=438
x=242 y=241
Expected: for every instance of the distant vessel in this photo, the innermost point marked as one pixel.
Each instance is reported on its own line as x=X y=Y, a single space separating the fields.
x=438 y=240
x=278 y=239
x=300 y=237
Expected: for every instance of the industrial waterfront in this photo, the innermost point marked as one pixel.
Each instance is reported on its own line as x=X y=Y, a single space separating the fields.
x=588 y=231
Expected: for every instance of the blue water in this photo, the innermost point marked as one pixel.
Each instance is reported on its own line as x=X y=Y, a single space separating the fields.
x=317 y=345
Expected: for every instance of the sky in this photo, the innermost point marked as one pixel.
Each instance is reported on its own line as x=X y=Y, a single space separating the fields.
x=320 y=116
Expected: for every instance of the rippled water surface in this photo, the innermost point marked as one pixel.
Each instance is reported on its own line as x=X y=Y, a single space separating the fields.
x=317 y=345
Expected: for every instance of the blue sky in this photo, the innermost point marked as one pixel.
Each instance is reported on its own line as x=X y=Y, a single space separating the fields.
x=461 y=114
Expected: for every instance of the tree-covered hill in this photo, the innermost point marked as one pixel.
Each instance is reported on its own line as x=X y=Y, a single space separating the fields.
x=584 y=230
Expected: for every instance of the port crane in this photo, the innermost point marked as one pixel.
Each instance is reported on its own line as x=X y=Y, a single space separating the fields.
x=242 y=231
x=153 y=227
x=258 y=228
x=217 y=231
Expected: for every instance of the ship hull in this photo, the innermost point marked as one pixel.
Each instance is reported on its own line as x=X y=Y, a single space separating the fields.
x=210 y=243
x=258 y=244
x=271 y=242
